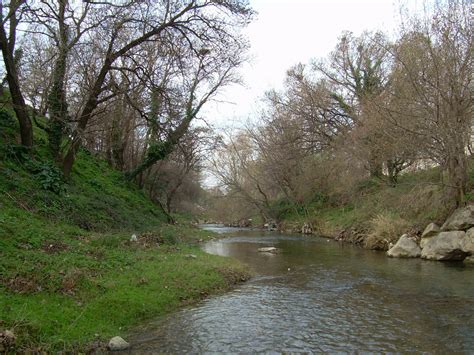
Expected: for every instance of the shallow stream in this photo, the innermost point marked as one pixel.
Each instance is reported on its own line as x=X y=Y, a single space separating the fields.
x=319 y=295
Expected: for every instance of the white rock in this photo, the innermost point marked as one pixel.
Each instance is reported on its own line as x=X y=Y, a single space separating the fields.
x=430 y=231
x=133 y=238
x=445 y=246
x=405 y=247
x=267 y=250
x=117 y=344
x=461 y=219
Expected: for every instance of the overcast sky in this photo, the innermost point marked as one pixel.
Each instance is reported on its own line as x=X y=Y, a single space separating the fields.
x=287 y=32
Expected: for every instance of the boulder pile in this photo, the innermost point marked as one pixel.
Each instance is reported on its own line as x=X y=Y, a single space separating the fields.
x=453 y=241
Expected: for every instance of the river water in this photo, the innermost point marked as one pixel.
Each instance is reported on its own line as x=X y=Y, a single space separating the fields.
x=319 y=295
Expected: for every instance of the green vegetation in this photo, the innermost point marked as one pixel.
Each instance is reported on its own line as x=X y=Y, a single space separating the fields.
x=69 y=274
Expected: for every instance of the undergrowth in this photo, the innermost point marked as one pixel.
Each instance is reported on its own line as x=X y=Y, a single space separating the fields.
x=69 y=274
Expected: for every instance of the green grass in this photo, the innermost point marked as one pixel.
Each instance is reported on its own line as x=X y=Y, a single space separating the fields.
x=101 y=285
x=69 y=275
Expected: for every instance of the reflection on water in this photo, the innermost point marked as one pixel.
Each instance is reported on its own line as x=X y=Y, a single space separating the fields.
x=322 y=296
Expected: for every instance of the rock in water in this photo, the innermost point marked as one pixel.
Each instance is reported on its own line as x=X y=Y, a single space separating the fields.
x=405 y=247
x=469 y=261
x=445 y=246
x=117 y=344
x=461 y=219
x=268 y=250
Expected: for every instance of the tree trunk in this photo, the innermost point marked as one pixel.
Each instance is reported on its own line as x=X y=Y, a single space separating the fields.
x=392 y=172
x=375 y=169
x=457 y=176
x=57 y=108
x=69 y=159
x=160 y=150
x=118 y=144
x=57 y=96
x=19 y=105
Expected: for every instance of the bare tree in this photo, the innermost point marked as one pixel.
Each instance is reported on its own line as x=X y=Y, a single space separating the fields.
x=358 y=70
x=431 y=96
x=181 y=170
x=197 y=24
x=237 y=167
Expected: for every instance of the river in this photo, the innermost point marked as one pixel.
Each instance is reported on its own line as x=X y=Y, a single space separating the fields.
x=319 y=295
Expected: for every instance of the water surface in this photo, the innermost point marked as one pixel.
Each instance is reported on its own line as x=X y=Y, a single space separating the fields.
x=322 y=296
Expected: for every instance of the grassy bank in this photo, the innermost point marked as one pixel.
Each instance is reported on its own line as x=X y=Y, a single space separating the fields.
x=69 y=275
x=65 y=293
x=377 y=213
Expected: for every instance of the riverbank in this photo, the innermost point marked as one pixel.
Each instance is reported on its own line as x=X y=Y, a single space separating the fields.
x=377 y=213
x=75 y=293
x=71 y=275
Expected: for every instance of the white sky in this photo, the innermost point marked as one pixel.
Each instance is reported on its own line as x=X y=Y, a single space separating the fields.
x=287 y=32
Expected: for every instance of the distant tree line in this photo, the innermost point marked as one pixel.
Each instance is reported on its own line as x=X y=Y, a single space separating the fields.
x=374 y=109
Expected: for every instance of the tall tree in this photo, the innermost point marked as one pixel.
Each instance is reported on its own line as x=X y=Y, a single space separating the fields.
x=10 y=15
x=196 y=24
x=432 y=85
x=358 y=70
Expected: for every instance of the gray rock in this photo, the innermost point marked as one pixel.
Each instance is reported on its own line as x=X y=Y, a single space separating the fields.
x=445 y=246
x=405 y=247
x=191 y=256
x=469 y=261
x=423 y=242
x=467 y=244
x=461 y=219
x=430 y=231
x=117 y=344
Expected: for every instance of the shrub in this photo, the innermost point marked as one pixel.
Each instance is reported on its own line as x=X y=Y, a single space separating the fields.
x=48 y=175
x=385 y=229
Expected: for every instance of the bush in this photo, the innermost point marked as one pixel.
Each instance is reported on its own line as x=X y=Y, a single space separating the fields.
x=283 y=208
x=385 y=229
x=49 y=176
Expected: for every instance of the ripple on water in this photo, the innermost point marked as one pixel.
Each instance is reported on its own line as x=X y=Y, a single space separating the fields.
x=334 y=299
